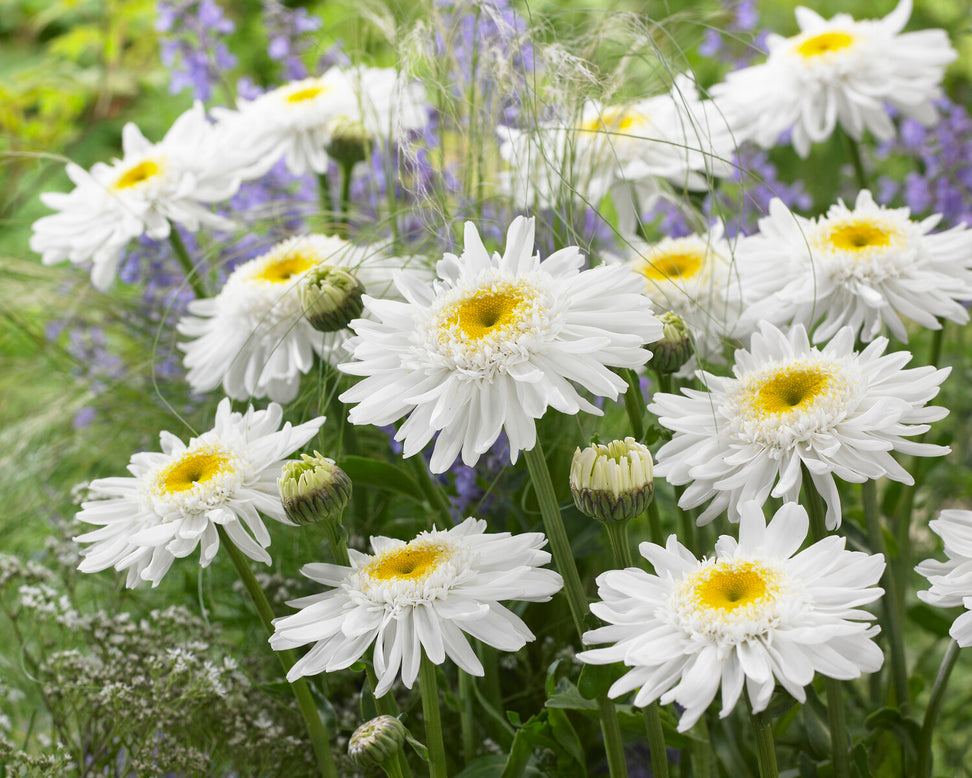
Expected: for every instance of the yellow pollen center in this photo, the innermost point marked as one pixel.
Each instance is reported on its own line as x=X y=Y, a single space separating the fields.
x=791 y=387
x=614 y=120
x=824 y=43
x=857 y=236
x=409 y=563
x=136 y=175
x=307 y=93
x=191 y=469
x=672 y=265
x=487 y=311
x=285 y=269
x=732 y=586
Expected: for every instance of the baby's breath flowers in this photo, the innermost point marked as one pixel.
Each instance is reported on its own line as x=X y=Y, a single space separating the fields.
x=417 y=598
x=950 y=583
x=790 y=406
x=152 y=186
x=863 y=267
x=174 y=500
x=493 y=343
x=839 y=71
x=612 y=482
x=253 y=337
x=757 y=613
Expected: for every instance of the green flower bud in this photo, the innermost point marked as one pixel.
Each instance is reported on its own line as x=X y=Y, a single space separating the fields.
x=331 y=297
x=376 y=741
x=675 y=347
x=349 y=141
x=612 y=482
x=313 y=489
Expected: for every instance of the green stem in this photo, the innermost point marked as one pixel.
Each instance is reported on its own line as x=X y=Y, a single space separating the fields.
x=853 y=148
x=324 y=193
x=392 y=767
x=655 y=531
x=933 y=709
x=432 y=491
x=336 y=536
x=686 y=523
x=466 y=721
x=613 y=743
x=816 y=507
x=634 y=404
x=316 y=731
x=656 y=741
x=345 y=198
x=617 y=532
x=765 y=748
x=433 y=723
x=894 y=618
x=188 y=267
x=664 y=382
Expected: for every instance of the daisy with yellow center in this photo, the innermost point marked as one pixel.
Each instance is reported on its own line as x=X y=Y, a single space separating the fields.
x=790 y=406
x=866 y=267
x=838 y=71
x=174 y=500
x=152 y=187
x=420 y=597
x=759 y=612
x=494 y=342
x=253 y=337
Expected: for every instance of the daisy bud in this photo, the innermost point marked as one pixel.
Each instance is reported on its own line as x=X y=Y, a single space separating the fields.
x=376 y=741
x=675 y=346
x=349 y=138
x=331 y=297
x=612 y=482
x=313 y=490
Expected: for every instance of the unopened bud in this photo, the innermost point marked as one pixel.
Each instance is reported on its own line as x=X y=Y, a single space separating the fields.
x=675 y=347
x=376 y=741
x=331 y=297
x=313 y=489
x=348 y=142
x=612 y=482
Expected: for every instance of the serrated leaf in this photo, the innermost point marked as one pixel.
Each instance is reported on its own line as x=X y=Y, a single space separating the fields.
x=380 y=475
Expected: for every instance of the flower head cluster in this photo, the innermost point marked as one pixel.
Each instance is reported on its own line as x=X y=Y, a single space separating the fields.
x=838 y=71
x=759 y=612
x=949 y=580
x=790 y=407
x=493 y=343
x=174 y=500
x=863 y=267
x=419 y=597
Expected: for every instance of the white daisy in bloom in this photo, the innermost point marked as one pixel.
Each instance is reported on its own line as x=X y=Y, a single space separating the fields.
x=253 y=337
x=839 y=71
x=835 y=411
x=419 y=597
x=624 y=150
x=863 y=267
x=295 y=121
x=494 y=342
x=951 y=584
x=174 y=500
x=151 y=186
x=694 y=277
x=760 y=612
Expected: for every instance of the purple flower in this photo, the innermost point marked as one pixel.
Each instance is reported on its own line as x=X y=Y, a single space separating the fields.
x=192 y=46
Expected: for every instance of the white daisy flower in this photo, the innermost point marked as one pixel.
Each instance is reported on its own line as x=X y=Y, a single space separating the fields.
x=624 y=150
x=693 y=277
x=836 y=411
x=152 y=185
x=253 y=337
x=174 y=500
x=950 y=582
x=839 y=70
x=295 y=121
x=493 y=343
x=760 y=612
x=863 y=267
x=419 y=597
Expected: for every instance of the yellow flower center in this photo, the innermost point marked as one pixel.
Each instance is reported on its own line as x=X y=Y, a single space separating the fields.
x=669 y=266
x=410 y=562
x=487 y=311
x=137 y=174
x=790 y=388
x=731 y=585
x=283 y=270
x=615 y=120
x=193 y=467
x=824 y=43
x=306 y=93
x=859 y=235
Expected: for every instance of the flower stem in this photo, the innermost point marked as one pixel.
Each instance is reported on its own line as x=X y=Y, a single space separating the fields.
x=634 y=404
x=188 y=267
x=316 y=730
x=617 y=532
x=432 y=491
x=655 y=531
x=324 y=192
x=765 y=748
x=433 y=722
x=656 y=741
x=336 y=537
x=345 y=198
x=853 y=148
x=466 y=721
x=613 y=743
x=934 y=706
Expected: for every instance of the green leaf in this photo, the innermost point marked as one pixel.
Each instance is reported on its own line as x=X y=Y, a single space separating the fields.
x=859 y=762
x=930 y=619
x=595 y=680
x=490 y=766
x=417 y=746
x=565 y=734
x=571 y=699
x=908 y=730
x=380 y=475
